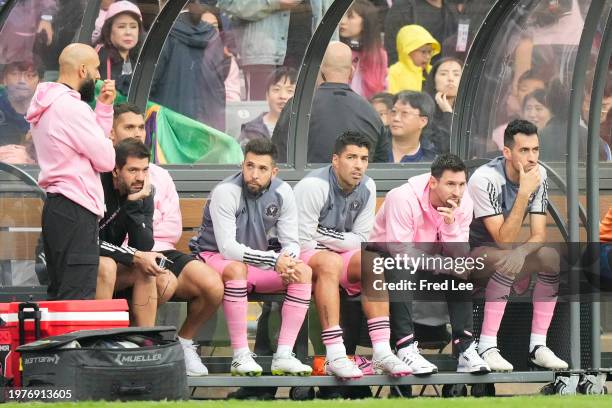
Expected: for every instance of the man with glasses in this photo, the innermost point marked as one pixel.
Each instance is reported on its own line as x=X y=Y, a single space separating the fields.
x=410 y=115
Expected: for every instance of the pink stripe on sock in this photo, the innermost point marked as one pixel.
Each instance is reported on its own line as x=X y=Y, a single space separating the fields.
x=380 y=330
x=294 y=311
x=235 y=309
x=544 y=302
x=495 y=305
x=404 y=339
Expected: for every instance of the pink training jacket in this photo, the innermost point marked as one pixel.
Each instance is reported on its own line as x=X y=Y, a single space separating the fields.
x=72 y=144
x=407 y=216
x=167 y=223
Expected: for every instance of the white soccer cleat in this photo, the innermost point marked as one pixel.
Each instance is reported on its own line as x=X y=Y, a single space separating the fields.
x=343 y=368
x=470 y=362
x=544 y=357
x=289 y=365
x=417 y=363
x=244 y=364
x=193 y=362
x=495 y=361
x=391 y=365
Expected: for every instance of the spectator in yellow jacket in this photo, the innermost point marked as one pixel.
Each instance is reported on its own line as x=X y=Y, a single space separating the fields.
x=415 y=49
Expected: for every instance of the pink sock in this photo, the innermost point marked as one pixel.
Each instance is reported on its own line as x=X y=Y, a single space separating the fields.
x=379 y=329
x=544 y=302
x=235 y=309
x=332 y=335
x=496 y=297
x=294 y=311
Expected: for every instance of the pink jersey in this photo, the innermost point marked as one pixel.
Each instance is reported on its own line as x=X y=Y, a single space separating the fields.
x=72 y=144
x=407 y=216
x=167 y=223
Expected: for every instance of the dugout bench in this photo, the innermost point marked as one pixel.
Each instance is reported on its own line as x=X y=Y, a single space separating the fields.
x=20 y=208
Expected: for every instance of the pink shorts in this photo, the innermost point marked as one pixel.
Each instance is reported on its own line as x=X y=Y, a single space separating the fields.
x=258 y=280
x=351 y=288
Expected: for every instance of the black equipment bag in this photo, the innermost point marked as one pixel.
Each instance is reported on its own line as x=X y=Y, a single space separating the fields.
x=115 y=364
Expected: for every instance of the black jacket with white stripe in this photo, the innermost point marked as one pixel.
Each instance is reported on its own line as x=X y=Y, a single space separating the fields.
x=122 y=218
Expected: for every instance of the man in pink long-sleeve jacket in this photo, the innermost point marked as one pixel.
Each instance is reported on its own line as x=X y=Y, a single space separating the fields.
x=73 y=148
x=430 y=210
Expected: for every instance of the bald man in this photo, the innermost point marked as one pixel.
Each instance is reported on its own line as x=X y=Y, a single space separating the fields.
x=336 y=109
x=73 y=147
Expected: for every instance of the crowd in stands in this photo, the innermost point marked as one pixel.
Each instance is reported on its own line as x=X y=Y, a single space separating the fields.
x=224 y=54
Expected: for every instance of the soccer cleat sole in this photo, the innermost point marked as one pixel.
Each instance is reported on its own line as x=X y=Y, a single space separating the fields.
x=193 y=374
x=396 y=375
x=502 y=371
x=346 y=378
x=480 y=371
x=247 y=374
x=298 y=374
x=535 y=367
x=425 y=373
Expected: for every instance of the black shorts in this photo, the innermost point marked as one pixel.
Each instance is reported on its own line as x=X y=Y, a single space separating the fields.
x=179 y=260
x=70 y=240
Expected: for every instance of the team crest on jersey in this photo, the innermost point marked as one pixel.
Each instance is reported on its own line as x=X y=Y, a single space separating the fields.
x=272 y=210
x=355 y=205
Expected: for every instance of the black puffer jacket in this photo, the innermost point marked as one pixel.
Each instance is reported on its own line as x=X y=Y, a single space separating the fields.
x=191 y=71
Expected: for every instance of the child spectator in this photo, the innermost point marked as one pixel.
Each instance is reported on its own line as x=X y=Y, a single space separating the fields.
x=359 y=30
x=435 y=16
x=119 y=43
x=383 y=104
x=415 y=48
x=280 y=88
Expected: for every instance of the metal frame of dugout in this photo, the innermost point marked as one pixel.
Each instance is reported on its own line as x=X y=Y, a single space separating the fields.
x=576 y=379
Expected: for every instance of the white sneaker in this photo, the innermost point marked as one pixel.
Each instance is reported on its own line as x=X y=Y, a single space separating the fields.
x=245 y=365
x=495 y=361
x=417 y=363
x=289 y=365
x=544 y=357
x=391 y=365
x=343 y=368
x=193 y=362
x=470 y=362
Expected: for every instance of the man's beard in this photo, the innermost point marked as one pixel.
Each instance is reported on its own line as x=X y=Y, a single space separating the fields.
x=88 y=90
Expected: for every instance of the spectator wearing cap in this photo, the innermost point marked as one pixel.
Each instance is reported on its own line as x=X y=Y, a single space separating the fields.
x=119 y=43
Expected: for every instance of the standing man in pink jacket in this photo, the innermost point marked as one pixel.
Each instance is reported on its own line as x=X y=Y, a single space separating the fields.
x=73 y=148
x=431 y=209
